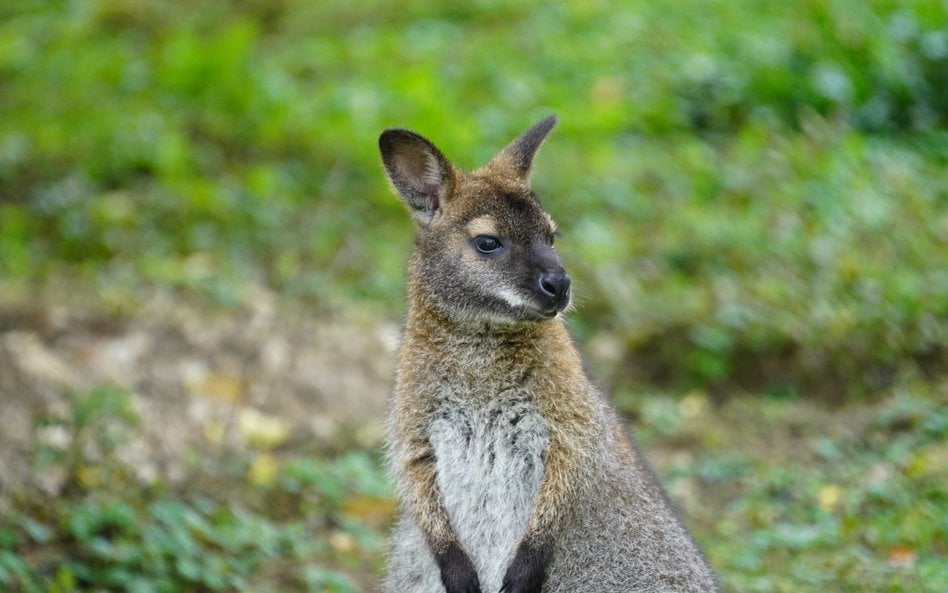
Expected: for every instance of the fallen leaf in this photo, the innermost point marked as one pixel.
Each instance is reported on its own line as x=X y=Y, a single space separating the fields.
x=263 y=470
x=693 y=404
x=214 y=432
x=89 y=476
x=342 y=542
x=374 y=510
x=220 y=387
x=261 y=430
x=902 y=557
x=829 y=497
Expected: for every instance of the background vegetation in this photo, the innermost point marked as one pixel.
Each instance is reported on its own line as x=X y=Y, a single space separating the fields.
x=754 y=199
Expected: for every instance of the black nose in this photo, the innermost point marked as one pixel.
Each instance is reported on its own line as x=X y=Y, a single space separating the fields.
x=555 y=285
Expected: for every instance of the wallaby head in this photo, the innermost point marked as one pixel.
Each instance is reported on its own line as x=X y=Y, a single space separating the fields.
x=484 y=244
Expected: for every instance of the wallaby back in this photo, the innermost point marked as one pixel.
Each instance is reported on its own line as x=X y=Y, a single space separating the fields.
x=513 y=471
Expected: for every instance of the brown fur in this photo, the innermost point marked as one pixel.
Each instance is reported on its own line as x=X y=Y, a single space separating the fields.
x=484 y=337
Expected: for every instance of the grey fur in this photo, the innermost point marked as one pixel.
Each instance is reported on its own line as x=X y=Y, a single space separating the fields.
x=620 y=535
x=490 y=396
x=488 y=473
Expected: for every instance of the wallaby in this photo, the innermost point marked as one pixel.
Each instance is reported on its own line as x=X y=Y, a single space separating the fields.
x=513 y=472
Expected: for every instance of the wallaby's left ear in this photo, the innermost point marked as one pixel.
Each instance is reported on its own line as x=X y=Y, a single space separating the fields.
x=517 y=157
x=420 y=174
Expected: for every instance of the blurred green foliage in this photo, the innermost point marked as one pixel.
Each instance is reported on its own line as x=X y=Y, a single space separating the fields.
x=107 y=530
x=812 y=506
x=785 y=496
x=742 y=184
x=94 y=426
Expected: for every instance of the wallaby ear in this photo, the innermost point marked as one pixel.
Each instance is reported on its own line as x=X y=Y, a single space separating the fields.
x=418 y=171
x=517 y=157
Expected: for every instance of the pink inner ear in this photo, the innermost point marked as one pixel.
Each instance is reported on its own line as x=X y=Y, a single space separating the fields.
x=409 y=164
x=417 y=165
x=420 y=170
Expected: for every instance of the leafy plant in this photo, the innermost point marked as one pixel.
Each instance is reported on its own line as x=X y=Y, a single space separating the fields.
x=741 y=184
x=111 y=533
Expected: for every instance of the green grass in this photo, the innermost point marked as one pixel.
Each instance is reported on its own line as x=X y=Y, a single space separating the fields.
x=791 y=496
x=784 y=495
x=237 y=522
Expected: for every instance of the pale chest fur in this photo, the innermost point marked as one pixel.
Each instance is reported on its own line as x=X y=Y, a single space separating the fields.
x=489 y=462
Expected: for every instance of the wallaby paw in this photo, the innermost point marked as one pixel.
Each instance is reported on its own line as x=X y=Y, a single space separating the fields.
x=461 y=580
x=527 y=572
x=457 y=571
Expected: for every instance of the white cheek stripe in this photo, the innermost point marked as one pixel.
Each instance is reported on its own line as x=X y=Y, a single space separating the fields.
x=510 y=297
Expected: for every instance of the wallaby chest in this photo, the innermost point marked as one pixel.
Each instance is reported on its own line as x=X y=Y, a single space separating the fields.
x=487 y=435
x=489 y=452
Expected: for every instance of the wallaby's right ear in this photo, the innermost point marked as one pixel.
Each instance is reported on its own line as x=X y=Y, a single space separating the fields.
x=418 y=172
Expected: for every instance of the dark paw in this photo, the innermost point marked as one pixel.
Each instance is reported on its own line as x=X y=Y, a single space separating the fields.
x=527 y=572
x=457 y=571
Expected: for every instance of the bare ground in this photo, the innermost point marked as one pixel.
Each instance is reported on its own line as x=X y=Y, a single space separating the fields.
x=262 y=376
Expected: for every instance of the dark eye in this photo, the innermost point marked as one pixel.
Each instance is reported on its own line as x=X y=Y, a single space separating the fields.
x=487 y=244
